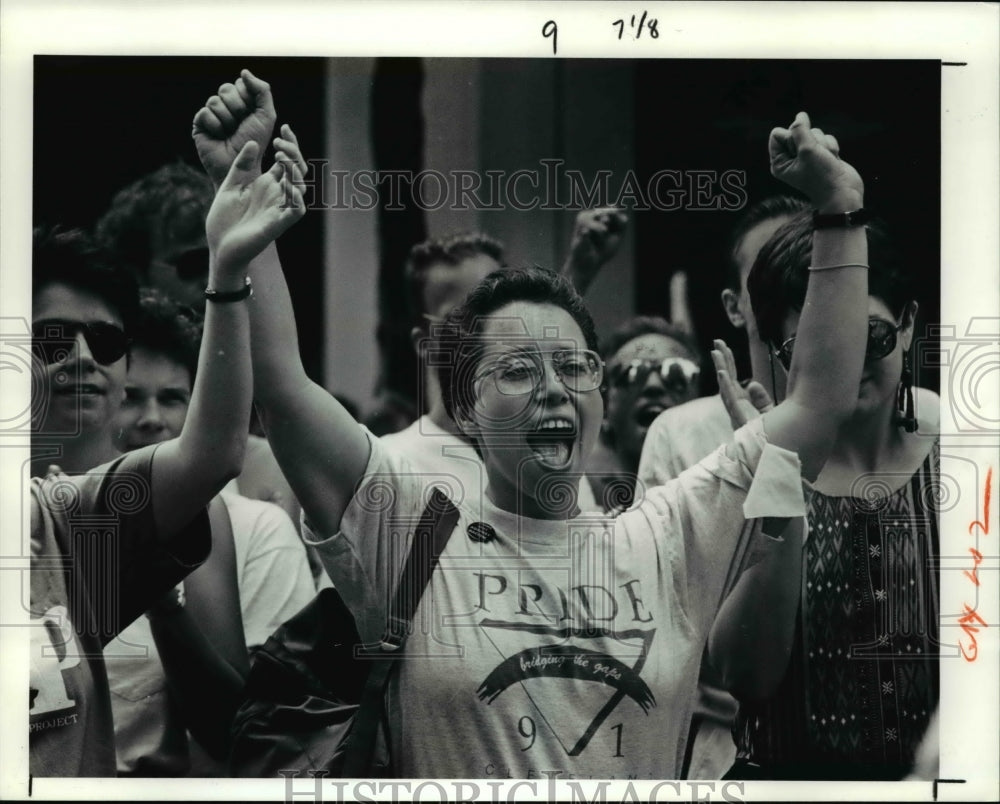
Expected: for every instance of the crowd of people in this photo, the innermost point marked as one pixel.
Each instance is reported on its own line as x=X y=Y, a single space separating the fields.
x=643 y=582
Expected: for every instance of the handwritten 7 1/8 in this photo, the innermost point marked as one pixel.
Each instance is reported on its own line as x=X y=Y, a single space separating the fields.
x=551 y=30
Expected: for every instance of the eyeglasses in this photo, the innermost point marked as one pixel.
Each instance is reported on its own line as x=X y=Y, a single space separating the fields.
x=522 y=372
x=676 y=372
x=191 y=264
x=881 y=342
x=53 y=340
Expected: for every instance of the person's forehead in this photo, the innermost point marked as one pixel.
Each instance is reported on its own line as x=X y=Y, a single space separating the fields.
x=754 y=240
x=651 y=346
x=58 y=300
x=879 y=309
x=446 y=286
x=876 y=309
x=519 y=322
x=155 y=369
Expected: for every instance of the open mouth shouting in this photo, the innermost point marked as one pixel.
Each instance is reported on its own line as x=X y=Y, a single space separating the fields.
x=646 y=414
x=553 y=442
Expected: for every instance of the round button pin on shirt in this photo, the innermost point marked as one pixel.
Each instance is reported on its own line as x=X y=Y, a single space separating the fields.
x=481 y=532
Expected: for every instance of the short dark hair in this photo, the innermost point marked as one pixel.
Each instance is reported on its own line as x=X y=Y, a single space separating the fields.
x=70 y=257
x=776 y=206
x=168 y=328
x=459 y=339
x=778 y=279
x=449 y=251
x=647 y=325
x=173 y=200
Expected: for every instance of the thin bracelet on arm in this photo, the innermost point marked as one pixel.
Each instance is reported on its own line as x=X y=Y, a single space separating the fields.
x=838 y=265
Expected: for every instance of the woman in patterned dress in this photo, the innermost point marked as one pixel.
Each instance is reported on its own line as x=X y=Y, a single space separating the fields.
x=844 y=677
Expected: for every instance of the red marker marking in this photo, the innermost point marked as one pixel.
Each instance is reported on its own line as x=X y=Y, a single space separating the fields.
x=971 y=615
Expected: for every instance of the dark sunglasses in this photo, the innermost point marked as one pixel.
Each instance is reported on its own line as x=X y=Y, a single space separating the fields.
x=52 y=341
x=674 y=371
x=881 y=342
x=191 y=264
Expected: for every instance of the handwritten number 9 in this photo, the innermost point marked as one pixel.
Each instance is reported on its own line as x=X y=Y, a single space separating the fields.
x=551 y=29
x=527 y=730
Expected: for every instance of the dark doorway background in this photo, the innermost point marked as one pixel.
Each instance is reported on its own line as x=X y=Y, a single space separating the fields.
x=102 y=122
x=689 y=114
x=717 y=114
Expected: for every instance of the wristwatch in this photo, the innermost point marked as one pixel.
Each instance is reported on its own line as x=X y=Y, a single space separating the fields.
x=225 y=297
x=834 y=220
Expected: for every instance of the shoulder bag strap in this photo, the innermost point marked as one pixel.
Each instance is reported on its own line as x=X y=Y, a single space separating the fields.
x=429 y=539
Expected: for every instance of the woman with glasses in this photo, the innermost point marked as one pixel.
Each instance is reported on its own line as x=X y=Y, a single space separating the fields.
x=548 y=642
x=843 y=678
x=651 y=366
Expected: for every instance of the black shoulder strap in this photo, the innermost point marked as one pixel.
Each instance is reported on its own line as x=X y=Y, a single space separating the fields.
x=429 y=539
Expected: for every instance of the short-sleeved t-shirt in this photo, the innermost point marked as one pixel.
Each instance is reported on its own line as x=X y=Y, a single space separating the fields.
x=681 y=436
x=557 y=647
x=96 y=564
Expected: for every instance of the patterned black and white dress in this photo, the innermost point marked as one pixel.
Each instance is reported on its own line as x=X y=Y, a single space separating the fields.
x=863 y=680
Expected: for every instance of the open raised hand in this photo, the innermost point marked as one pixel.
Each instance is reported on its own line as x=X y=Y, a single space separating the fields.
x=251 y=210
x=742 y=404
x=286 y=149
x=241 y=112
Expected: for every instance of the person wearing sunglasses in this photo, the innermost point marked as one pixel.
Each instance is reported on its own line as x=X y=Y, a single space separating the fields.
x=651 y=366
x=551 y=641
x=843 y=678
x=112 y=534
x=81 y=309
x=685 y=434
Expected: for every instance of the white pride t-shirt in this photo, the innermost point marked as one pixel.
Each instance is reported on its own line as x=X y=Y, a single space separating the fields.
x=557 y=649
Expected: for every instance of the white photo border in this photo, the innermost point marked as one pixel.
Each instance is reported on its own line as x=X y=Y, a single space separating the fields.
x=961 y=35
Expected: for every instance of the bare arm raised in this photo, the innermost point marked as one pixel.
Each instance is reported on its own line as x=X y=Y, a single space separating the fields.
x=321 y=450
x=826 y=367
x=248 y=212
x=597 y=235
x=751 y=639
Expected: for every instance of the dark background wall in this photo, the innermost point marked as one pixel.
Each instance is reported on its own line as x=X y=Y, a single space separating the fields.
x=717 y=114
x=101 y=122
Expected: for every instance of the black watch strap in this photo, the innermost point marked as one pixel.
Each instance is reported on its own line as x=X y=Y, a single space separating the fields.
x=220 y=297
x=835 y=220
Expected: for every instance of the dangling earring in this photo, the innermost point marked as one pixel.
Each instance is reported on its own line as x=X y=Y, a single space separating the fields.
x=904 y=398
x=774 y=379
